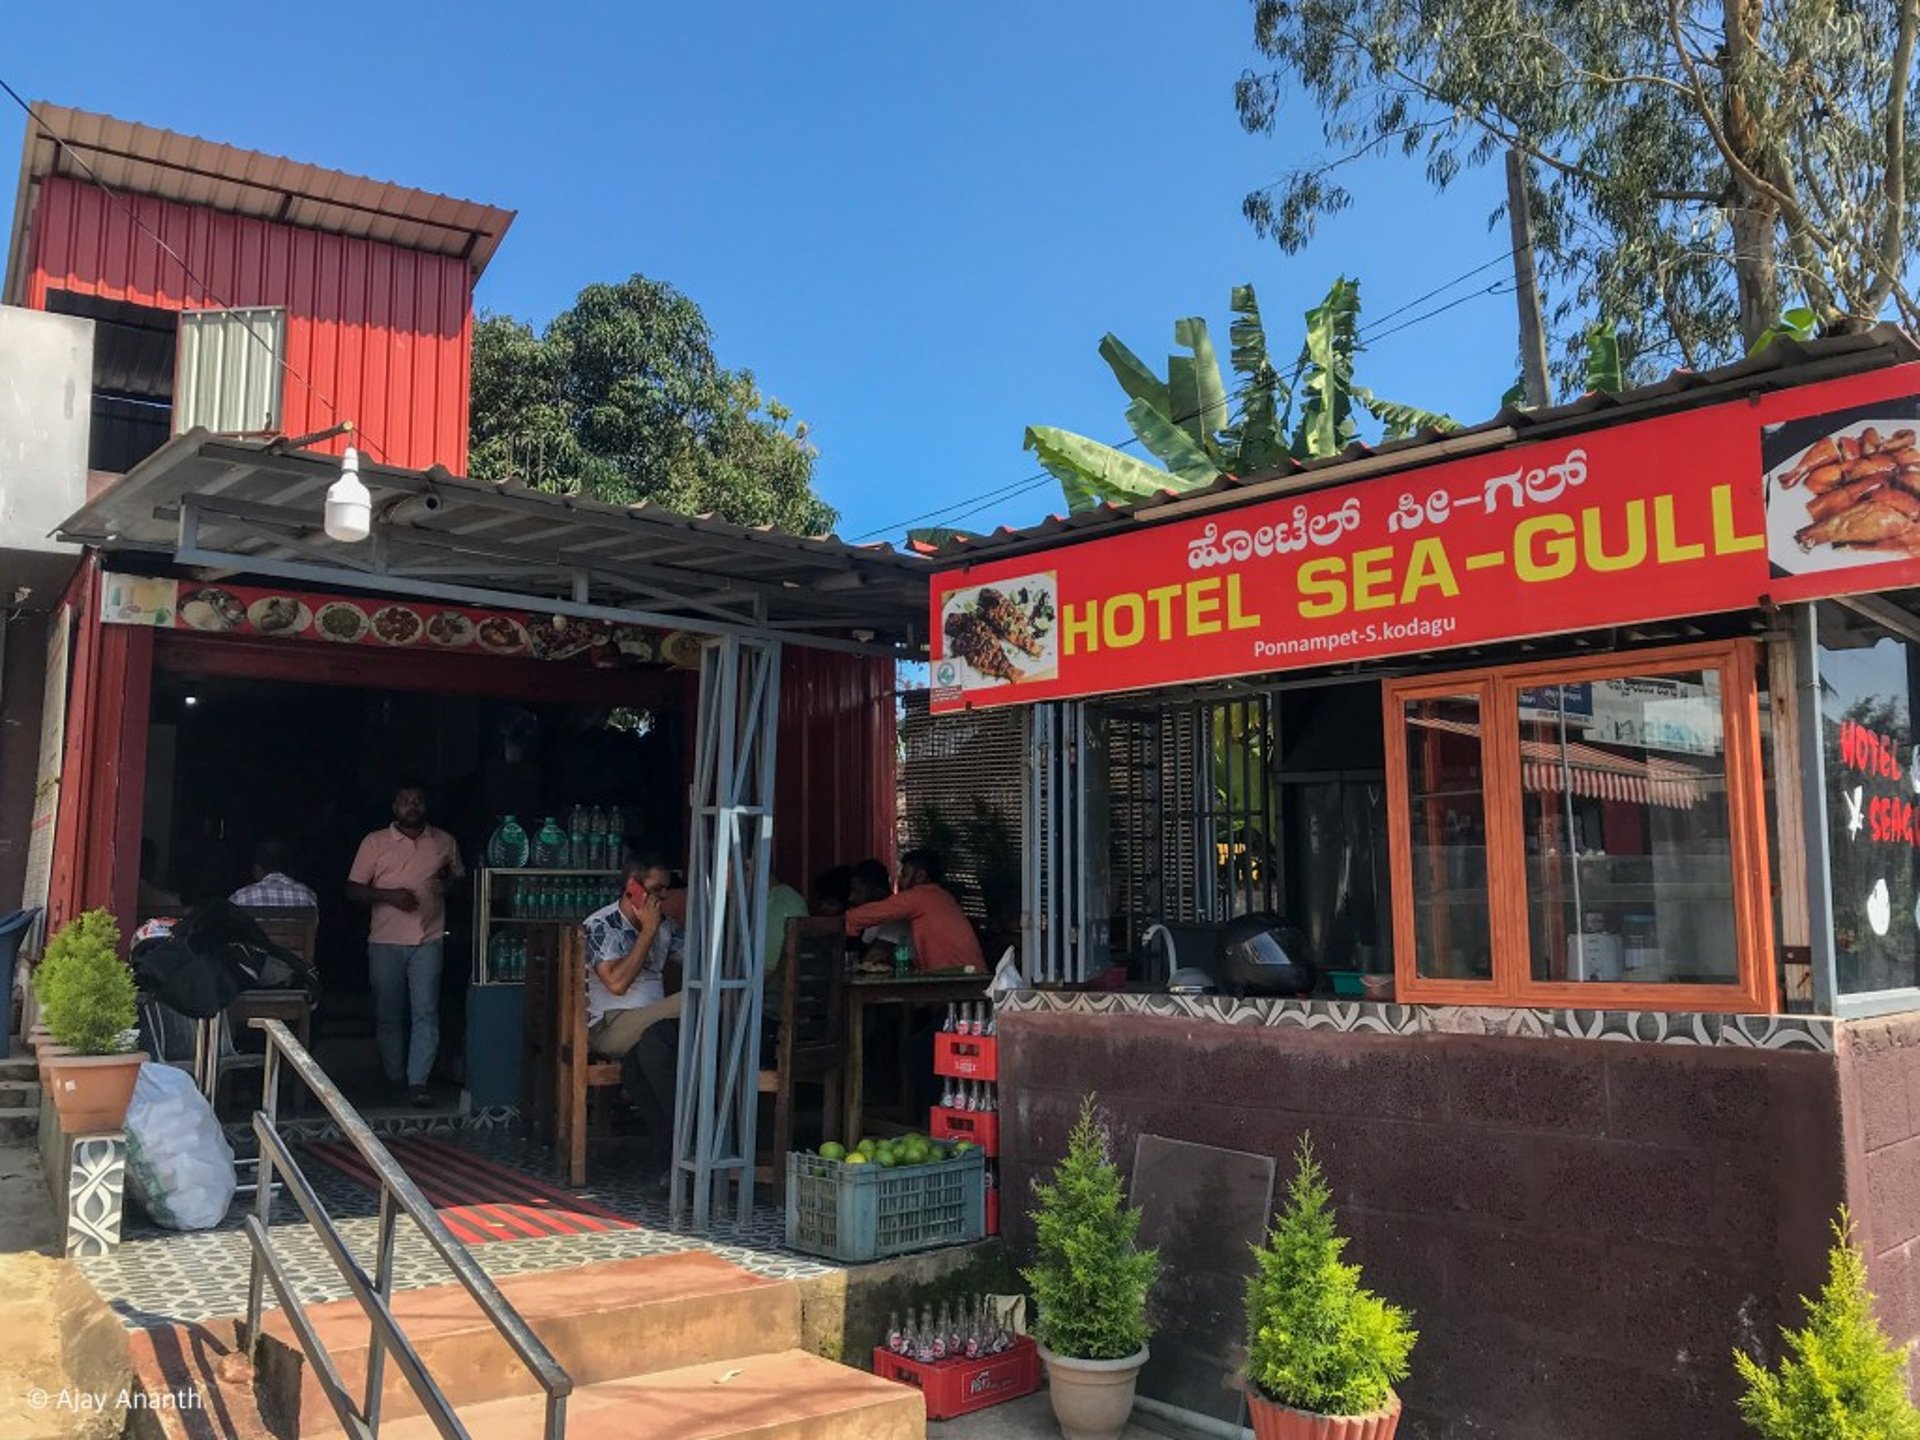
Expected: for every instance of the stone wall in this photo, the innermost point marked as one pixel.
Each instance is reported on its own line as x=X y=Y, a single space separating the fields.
x=1586 y=1229
x=1880 y=1083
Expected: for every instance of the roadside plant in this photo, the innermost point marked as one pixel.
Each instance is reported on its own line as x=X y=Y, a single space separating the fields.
x=86 y=989
x=1090 y=1278
x=1842 y=1378
x=1317 y=1340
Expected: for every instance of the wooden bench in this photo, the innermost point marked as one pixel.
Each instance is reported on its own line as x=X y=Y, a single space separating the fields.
x=576 y=1072
x=811 y=1011
x=291 y=927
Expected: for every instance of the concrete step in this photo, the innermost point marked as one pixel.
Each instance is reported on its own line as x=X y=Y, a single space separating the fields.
x=19 y=1067
x=788 y=1396
x=17 y=1093
x=606 y=1321
x=19 y=1122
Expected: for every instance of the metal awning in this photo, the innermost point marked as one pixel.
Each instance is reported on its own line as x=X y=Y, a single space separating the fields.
x=1596 y=774
x=254 y=507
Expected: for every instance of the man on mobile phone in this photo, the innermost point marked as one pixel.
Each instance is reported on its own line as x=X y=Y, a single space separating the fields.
x=629 y=944
x=401 y=873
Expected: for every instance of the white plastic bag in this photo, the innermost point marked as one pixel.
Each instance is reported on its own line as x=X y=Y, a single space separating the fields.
x=179 y=1164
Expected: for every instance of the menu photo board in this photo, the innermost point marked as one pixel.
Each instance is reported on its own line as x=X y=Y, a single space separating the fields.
x=224 y=609
x=1802 y=493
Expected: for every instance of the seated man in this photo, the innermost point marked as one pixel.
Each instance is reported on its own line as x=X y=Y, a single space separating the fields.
x=943 y=937
x=868 y=884
x=629 y=944
x=272 y=887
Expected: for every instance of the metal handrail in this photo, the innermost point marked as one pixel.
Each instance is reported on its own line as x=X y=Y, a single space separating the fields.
x=398 y=1195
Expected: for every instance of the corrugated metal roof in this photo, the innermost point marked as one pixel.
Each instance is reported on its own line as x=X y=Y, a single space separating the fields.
x=142 y=160
x=1782 y=365
x=259 y=507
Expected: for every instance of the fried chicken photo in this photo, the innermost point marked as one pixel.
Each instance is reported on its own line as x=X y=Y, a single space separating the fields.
x=1008 y=621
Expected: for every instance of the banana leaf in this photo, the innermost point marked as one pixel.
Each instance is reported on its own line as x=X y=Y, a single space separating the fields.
x=1191 y=465
x=1252 y=445
x=1603 y=361
x=1090 y=473
x=1210 y=390
x=932 y=537
x=1134 y=376
x=1324 y=373
x=1400 y=421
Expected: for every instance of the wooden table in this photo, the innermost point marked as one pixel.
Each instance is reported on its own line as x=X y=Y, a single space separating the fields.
x=906 y=991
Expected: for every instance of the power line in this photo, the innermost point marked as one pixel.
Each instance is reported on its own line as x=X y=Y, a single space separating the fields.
x=973 y=504
x=206 y=290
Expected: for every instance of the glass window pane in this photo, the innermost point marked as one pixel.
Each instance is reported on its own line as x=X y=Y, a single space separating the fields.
x=1452 y=932
x=1623 y=793
x=1867 y=678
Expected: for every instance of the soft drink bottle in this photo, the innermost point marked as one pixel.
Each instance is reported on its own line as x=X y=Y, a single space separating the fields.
x=895 y=1339
x=949 y=1026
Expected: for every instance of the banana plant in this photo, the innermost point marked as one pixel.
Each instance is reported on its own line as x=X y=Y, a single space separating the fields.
x=1186 y=422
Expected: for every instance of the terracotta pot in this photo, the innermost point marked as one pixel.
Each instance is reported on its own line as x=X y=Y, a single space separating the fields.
x=44 y=1054
x=1092 y=1398
x=1282 y=1422
x=92 y=1092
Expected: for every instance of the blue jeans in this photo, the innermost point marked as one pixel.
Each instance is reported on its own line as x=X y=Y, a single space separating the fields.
x=407 y=978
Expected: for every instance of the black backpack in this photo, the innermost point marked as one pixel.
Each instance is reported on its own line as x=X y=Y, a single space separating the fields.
x=212 y=955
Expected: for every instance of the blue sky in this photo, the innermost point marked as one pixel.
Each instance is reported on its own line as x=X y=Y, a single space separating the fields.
x=913 y=223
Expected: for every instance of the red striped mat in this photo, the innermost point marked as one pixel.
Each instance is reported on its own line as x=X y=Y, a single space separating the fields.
x=479 y=1200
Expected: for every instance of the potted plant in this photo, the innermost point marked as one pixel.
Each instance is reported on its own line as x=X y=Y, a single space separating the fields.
x=1323 y=1353
x=1843 y=1376
x=87 y=991
x=1090 y=1281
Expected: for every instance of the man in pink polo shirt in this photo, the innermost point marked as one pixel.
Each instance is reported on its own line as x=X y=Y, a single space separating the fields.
x=401 y=871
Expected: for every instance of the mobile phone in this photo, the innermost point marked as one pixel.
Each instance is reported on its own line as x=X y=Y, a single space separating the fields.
x=636 y=892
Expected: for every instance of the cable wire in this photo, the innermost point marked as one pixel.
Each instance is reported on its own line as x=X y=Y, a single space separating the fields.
x=206 y=290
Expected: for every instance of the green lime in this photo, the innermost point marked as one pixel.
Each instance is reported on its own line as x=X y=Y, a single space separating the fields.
x=960 y=1147
x=856 y=1158
x=833 y=1150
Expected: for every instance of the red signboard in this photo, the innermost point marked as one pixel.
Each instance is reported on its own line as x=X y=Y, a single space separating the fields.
x=1807 y=492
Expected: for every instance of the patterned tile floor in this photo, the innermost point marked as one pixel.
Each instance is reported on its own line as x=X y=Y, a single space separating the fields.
x=161 y=1276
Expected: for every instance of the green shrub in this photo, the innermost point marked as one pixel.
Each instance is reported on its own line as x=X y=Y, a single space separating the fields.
x=1844 y=1379
x=1316 y=1340
x=1090 y=1279
x=85 y=987
x=79 y=936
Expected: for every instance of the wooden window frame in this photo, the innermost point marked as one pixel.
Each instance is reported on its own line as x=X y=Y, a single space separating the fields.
x=1512 y=983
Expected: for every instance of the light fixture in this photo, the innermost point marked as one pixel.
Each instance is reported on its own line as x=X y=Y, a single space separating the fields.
x=192 y=700
x=349 y=506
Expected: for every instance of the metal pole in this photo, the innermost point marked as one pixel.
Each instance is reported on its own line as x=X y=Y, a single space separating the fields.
x=1813 y=810
x=1526 y=291
x=383 y=1286
x=262 y=1201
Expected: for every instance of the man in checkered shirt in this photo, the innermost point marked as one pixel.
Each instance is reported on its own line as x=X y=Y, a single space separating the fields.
x=272 y=887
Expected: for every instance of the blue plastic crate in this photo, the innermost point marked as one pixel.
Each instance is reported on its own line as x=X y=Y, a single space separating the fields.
x=857 y=1213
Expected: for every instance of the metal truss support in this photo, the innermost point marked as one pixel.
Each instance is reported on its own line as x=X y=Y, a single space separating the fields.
x=716 y=1103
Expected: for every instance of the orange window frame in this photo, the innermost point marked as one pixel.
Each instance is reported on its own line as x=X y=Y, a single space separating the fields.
x=1512 y=983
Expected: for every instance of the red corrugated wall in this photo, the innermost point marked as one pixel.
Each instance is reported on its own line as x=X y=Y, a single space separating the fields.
x=835 y=779
x=380 y=336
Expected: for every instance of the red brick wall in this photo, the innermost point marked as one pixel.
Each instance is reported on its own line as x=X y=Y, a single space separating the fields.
x=1585 y=1229
x=1880 y=1079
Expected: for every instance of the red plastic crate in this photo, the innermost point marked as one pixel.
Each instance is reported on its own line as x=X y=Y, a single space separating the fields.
x=982 y=1127
x=966 y=1057
x=960 y=1387
x=993 y=1211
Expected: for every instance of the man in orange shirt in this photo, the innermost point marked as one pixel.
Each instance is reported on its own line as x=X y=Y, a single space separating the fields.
x=943 y=937
x=401 y=872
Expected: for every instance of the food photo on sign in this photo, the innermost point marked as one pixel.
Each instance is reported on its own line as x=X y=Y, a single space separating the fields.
x=1843 y=488
x=999 y=634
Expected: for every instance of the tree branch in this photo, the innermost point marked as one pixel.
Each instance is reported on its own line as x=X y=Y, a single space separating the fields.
x=1895 y=188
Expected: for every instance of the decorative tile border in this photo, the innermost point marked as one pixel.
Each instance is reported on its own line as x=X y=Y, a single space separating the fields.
x=502 y=1119
x=1647 y=1027
x=96 y=1193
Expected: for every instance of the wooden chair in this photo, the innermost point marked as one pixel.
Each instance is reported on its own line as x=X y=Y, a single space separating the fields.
x=294 y=928
x=576 y=1072
x=811 y=1011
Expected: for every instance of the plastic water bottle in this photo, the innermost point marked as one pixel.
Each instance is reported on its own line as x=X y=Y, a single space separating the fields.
x=507 y=847
x=550 y=846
